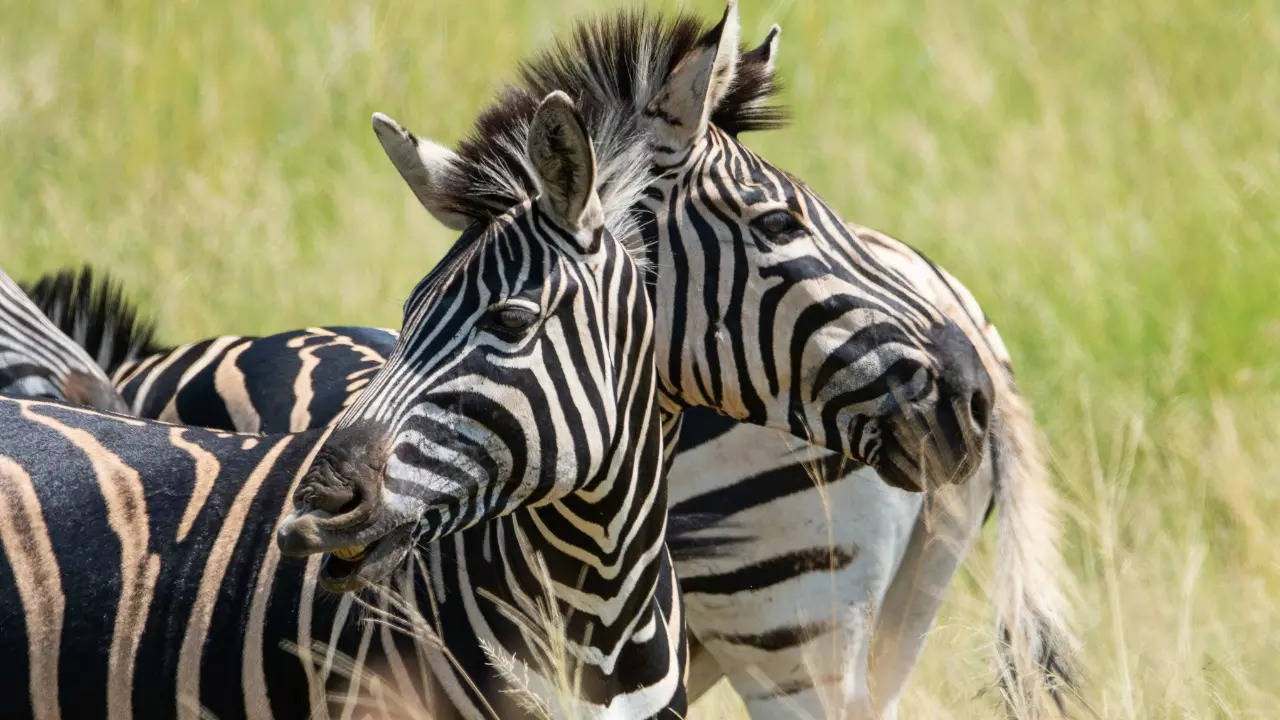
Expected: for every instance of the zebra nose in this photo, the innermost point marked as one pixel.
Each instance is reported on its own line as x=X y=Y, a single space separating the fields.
x=341 y=492
x=329 y=485
x=965 y=390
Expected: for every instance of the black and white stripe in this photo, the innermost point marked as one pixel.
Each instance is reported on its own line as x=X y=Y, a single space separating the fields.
x=289 y=381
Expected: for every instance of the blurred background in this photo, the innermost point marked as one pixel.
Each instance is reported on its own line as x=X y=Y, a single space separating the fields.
x=1104 y=176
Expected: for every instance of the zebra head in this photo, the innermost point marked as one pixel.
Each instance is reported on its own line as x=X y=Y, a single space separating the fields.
x=524 y=366
x=768 y=308
x=772 y=310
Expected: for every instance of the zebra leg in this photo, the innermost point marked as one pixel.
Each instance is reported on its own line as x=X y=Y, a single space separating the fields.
x=945 y=530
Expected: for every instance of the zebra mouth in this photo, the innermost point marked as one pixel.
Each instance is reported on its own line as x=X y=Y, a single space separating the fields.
x=350 y=568
x=350 y=554
x=899 y=470
x=923 y=462
x=895 y=466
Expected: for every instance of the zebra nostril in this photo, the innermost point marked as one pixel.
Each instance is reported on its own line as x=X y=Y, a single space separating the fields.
x=336 y=499
x=979 y=409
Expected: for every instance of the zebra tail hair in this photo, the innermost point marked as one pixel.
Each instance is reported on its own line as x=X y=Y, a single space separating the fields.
x=1035 y=647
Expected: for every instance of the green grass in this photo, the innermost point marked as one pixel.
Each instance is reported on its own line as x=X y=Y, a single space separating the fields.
x=1105 y=177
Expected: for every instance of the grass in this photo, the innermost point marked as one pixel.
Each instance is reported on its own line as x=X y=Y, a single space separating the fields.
x=1104 y=176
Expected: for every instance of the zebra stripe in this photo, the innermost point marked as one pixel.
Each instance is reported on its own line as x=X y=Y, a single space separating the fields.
x=111 y=507
x=234 y=382
x=121 y=488
x=212 y=578
x=35 y=572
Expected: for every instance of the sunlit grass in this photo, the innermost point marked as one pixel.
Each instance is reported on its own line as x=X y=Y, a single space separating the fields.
x=1104 y=176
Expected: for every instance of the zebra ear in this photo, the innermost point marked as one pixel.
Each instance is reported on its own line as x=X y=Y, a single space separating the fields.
x=766 y=53
x=421 y=163
x=564 y=162
x=681 y=110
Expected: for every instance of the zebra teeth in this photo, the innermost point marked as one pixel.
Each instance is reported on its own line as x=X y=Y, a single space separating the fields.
x=354 y=552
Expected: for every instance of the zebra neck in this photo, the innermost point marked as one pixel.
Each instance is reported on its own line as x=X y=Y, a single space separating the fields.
x=596 y=553
x=577 y=588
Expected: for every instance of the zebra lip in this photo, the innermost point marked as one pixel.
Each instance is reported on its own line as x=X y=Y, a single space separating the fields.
x=894 y=477
x=346 y=569
x=897 y=474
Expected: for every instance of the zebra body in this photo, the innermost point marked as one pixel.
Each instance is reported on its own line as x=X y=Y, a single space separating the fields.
x=286 y=382
x=133 y=595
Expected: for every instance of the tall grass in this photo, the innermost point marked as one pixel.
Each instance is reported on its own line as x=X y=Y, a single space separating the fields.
x=1105 y=176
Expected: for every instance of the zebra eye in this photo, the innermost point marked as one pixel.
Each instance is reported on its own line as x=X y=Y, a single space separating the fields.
x=509 y=322
x=778 y=226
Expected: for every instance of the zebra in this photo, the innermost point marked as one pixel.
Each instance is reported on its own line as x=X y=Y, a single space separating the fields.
x=719 y=209
x=37 y=360
x=583 y=463
x=176 y=527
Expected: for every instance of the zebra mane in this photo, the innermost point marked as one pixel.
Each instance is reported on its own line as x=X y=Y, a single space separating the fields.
x=611 y=66
x=91 y=308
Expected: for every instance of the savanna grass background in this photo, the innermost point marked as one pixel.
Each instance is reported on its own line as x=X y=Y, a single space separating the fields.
x=1105 y=176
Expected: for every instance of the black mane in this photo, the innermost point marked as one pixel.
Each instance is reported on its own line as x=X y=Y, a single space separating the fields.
x=93 y=311
x=610 y=66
